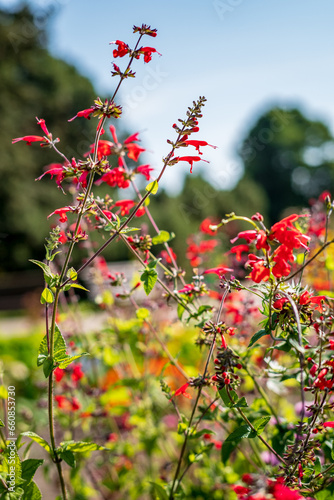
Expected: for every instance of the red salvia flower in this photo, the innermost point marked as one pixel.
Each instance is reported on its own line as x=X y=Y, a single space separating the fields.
x=190 y=160
x=182 y=391
x=85 y=113
x=148 y=51
x=31 y=138
x=54 y=169
x=220 y=270
x=41 y=123
x=144 y=170
x=62 y=213
x=133 y=150
x=205 y=227
x=125 y=206
x=198 y=144
x=238 y=249
x=122 y=49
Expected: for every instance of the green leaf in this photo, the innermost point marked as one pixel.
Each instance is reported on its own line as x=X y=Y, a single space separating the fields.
x=31 y=492
x=260 y=424
x=227 y=401
x=72 y=274
x=47 y=296
x=68 y=457
x=76 y=285
x=149 y=279
x=159 y=491
x=152 y=187
x=180 y=311
x=257 y=336
x=42 y=265
x=29 y=467
x=1 y=423
x=38 y=439
x=201 y=433
x=317 y=466
x=69 y=359
x=232 y=441
x=241 y=403
x=296 y=345
x=48 y=366
x=59 y=345
x=13 y=495
x=81 y=446
x=162 y=237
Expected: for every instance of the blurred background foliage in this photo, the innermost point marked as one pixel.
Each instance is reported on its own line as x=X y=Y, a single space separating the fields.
x=287 y=158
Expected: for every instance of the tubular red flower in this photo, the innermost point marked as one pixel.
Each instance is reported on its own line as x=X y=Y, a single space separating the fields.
x=133 y=151
x=190 y=160
x=198 y=144
x=85 y=113
x=144 y=170
x=238 y=249
x=182 y=391
x=148 y=51
x=41 y=122
x=31 y=138
x=56 y=169
x=125 y=206
x=122 y=49
x=62 y=213
x=220 y=270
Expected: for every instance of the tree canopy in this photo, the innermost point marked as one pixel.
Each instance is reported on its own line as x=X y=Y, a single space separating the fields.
x=290 y=157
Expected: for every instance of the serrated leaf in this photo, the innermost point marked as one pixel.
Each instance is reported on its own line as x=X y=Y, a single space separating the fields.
x=162 y=237
x=31 y=492
x=257 y=336
x=159 y=491
x=29 y=467
x=152 y=187
x=47 y=296
x=42 y=265
x=149 y=279
x=260 y=424
x=233 y=440
x=59 y=345
x=68 y=457
x=69 y=359
x=81 y=446
x=38 y=439
x=241 y=403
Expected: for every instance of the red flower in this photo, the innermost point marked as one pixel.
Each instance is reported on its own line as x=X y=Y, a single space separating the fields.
x=329 y=424
x=31 y=138
x=148 y=51
x=284 y=232
x=122 y=49
x=104 y=148
x=84 y=113
x=133 y=150
x=182 y=390
x=59 y=374
x=144 y=170
x=259 y=272
x=238 y=249
x=220 y=270
x=279 y=303
x=198 y=144
x=62 y=238
x=247 y=235
x=125 y=206
x=77 y=373
x=42 y=125
x=62 y=213
x=190 y=160
x=56 y=170
x=205 y=227
x=67 y=404
x=165 y=255
x=116 y=177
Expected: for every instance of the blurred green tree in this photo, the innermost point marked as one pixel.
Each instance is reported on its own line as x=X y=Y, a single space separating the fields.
x=33 y=83
x=290 y=157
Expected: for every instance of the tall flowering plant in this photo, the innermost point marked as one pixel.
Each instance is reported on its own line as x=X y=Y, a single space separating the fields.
x=261 y=327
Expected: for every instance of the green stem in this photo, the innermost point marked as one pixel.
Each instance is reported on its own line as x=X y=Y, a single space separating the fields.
x=56 y=459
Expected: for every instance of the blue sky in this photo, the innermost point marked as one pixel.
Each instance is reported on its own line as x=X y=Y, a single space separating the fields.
x=242 y=55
